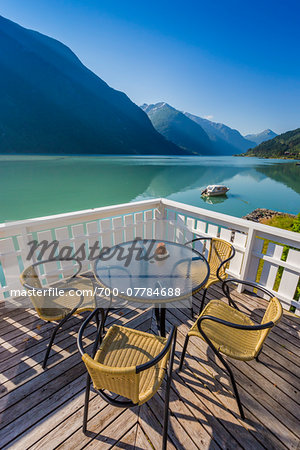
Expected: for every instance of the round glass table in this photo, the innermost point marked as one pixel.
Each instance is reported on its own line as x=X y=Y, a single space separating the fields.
x=149 y=271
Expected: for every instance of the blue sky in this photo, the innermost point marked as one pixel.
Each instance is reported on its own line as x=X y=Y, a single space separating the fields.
x=236 y=62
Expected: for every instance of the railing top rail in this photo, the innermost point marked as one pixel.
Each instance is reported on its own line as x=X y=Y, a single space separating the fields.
x=104 y=211
x=234 y=221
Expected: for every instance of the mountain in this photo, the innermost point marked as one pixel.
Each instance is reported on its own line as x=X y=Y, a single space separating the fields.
x=178 y=128
x=51 y=103
x=226 y=140
x=286 y=145
x=258 y=138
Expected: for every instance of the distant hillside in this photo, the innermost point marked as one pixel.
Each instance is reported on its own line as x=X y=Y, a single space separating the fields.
x=258 y=138
x=178 y=128
x=286 y=145
x=51 y=103
x=225 y=140
x=287 y=174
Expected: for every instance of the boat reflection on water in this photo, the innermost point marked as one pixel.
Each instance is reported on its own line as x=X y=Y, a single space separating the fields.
x=215 y=200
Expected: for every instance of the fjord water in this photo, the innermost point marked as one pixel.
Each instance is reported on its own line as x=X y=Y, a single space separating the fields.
x=35 y=186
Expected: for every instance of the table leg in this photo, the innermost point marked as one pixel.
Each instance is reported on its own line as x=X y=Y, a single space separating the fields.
x=157 y=317
x=162 y=321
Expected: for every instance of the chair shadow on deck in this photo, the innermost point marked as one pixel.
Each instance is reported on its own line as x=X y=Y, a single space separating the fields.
x=22 y=357
x=219 y=404
x=31 y=343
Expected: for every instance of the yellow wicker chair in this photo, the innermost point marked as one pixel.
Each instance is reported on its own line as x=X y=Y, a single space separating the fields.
x=219 y=255
x=59 y=300
x=129 y=363
x=230 y=332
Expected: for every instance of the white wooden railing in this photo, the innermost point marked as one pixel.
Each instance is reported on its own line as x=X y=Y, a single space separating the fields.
x=259 y=248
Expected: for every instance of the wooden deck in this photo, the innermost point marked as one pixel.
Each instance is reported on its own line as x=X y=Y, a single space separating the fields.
x=43 y=409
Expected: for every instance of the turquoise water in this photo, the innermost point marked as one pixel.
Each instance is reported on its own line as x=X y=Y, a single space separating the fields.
x=33 y=186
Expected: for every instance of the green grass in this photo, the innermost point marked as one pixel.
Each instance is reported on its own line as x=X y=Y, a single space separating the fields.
x=285 y=222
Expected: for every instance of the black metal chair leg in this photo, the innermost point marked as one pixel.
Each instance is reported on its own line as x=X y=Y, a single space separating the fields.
x=226 y=365
x=202 y=301
x=50 y=345
x=257 y=356
x=105 y=318
x=183 y=352
x=86 y=403
x=191 y=307
x=236 y=392
x=167 y=396
x=97 y=320
x=53 y=336
x=166 y=416
x=232 y=303
x=100 y=325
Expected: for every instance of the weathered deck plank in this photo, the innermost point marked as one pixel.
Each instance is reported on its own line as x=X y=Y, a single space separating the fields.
x=142 y=441
x=43 y=409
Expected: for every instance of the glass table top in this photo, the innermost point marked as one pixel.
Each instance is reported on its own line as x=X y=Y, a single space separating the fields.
x=151 y=271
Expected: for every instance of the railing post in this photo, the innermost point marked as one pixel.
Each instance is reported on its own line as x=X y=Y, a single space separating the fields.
x=25 y=240
x=162 y=210
x=247 y=256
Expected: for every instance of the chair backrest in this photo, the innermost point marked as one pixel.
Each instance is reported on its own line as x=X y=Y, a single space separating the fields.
x=30 y=280
x=29 y=277
x=125 y=381
x=219 y=251
x=273 y=314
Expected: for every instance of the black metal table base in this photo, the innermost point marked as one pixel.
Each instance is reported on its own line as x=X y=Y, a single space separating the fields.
x=160 y=316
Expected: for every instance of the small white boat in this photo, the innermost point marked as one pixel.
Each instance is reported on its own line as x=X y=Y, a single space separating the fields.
x=214 y=190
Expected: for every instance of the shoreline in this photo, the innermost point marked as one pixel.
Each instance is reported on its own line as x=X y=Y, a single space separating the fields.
x=259 y=214
x=267 y=157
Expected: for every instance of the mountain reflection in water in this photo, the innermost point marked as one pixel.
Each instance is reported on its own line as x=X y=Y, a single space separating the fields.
x=62 y=184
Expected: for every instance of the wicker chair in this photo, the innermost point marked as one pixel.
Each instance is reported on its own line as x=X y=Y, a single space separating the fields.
x=66 y=301
x=230 y=332
x=129 y=363
x=219 y=255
